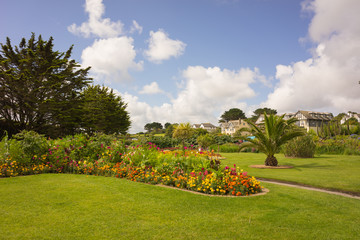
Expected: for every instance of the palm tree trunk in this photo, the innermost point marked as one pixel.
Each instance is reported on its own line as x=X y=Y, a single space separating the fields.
x=271 y=161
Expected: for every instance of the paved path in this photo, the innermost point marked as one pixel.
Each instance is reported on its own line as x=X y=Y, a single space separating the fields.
x=309 y=188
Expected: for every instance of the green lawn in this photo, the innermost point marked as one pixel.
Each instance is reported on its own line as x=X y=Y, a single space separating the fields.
x=327 y=171
x=65 y=206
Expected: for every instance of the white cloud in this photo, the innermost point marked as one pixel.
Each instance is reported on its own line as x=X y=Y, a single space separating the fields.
x=96 y=25
x=206 y=94
x=330 y=79
x=152 y=88
x=161 y=47
x=112 y=58
x=136 y=27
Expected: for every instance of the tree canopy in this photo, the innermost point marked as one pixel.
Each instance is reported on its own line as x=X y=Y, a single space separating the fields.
x=154 y=126
x=232 y=114
x=260 y=111
x=266 y=110
x=41 y=89
x=104 y=111
x=183 y=131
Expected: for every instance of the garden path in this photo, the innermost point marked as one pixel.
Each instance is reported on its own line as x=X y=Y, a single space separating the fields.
x=344 y=194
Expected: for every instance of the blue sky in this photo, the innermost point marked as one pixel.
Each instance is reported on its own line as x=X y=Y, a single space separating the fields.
x=189 y=61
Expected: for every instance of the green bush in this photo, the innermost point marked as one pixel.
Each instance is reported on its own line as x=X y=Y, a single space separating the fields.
x=205 y=140
x=347 y=145
x=32 y=147
x=222 y=139
x=226 y=148
x=303 y=147
x=163 y=142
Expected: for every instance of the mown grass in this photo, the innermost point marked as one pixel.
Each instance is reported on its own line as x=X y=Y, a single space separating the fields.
x=65 y=206
x=327 y=171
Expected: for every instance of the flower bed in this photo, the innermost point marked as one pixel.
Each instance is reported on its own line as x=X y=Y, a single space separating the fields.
x=192 y=170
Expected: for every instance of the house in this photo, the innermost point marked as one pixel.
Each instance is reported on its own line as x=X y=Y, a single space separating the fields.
x=207 y=126
x=312 y=120
x=230 y=127
x=350 y=115
x=261 y=118
x=288 y=116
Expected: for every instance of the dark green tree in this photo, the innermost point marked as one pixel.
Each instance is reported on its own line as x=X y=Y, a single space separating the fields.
x=339 y=117
x=104 y=111
x=40 y=88
x=260 y=111
x=167 y=125
x=170 y=130
x=154 y=126
x=232 y=114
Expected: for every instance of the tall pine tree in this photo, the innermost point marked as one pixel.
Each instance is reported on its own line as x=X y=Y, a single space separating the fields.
x=40 y=88
x=104 y=111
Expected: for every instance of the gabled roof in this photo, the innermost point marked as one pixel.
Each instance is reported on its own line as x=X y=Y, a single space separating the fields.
x=322 y=116
x=208 y=125
x=233 y=123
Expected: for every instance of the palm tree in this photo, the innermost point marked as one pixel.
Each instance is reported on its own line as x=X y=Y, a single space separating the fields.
x=183 y=131
x=271 y=135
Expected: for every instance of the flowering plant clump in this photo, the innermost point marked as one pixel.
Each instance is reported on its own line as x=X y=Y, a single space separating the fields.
x=198 y=171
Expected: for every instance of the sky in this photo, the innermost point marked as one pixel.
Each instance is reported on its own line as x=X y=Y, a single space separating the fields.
x=183 y=61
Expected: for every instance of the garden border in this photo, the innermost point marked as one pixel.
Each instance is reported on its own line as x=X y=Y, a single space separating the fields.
x=263 y=192
x=348 y=194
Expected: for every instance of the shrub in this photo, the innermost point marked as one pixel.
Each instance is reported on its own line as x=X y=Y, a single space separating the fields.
x=163 y=142
x=348 y=145
x=226 y=148
x=32 y=147
x=222 y=139
x=205 y=140
x=303 y=147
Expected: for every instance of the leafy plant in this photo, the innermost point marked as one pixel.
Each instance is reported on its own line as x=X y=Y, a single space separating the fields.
x=303 y=147
x=270 y=137
x=33 y=146
x=205 y=140
x=227 y=147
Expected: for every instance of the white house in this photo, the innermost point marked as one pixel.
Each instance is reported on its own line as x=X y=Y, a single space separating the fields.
x=350 y=115
x=312 y=120
x=207 y=126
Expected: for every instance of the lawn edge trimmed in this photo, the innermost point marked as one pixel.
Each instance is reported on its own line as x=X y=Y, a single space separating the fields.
x=263 y=192
x=297 y=184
